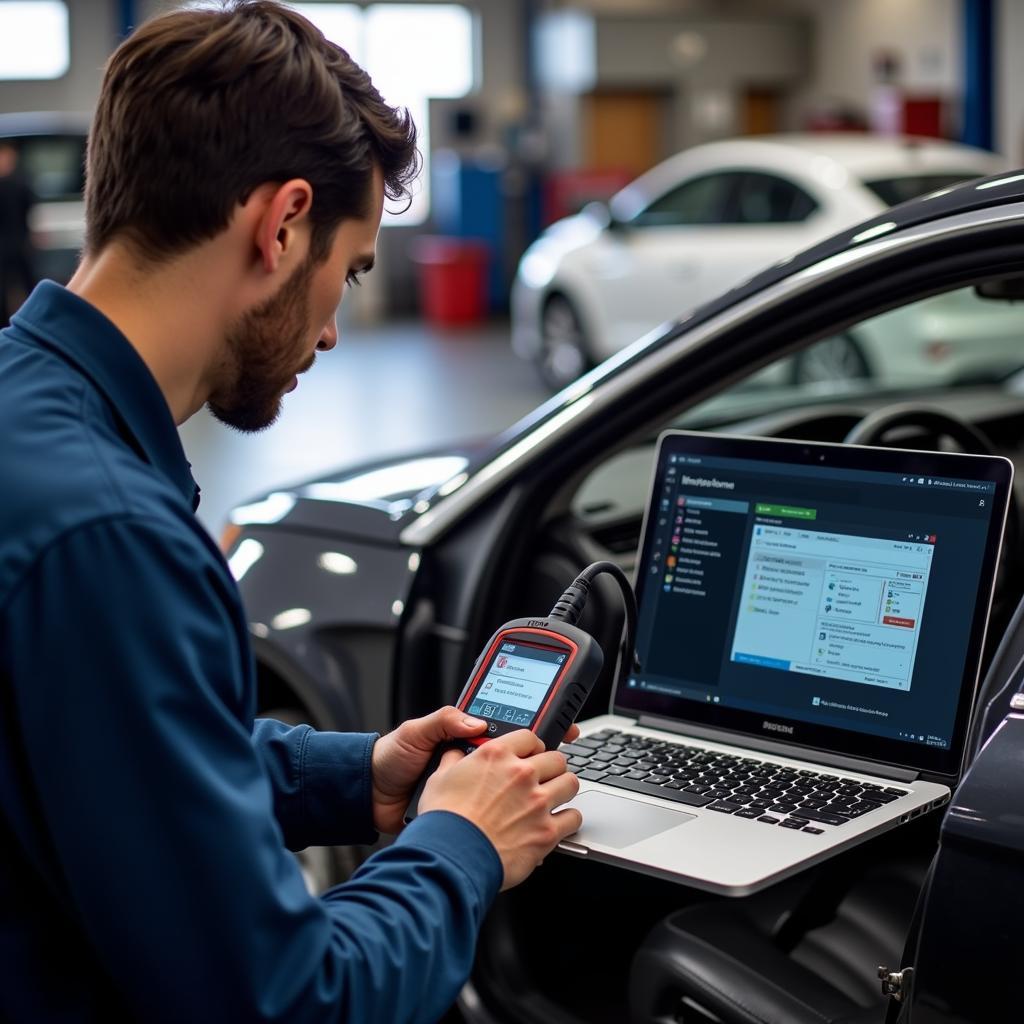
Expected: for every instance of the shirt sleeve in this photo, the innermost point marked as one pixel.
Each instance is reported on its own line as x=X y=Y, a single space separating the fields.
x=321 y=783
x=129 y=693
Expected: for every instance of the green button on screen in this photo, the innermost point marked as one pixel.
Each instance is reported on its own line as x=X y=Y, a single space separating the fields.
x=786 y=511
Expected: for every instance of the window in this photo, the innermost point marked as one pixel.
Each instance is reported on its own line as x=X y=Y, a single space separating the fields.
x=731 y=197
x=931 y=347
x=33 y=39
x=766 y=199
x=893 y=191
x=703 y=200
x=414 y=53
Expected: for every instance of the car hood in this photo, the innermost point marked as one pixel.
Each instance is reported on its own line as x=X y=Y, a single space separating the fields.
x=540 y=261
x=372 y=500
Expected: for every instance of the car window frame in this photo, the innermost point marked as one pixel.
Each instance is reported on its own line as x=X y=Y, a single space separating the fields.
x=712 y=351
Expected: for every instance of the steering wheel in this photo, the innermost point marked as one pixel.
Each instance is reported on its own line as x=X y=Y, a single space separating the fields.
x=880 y=425
x=876 y=427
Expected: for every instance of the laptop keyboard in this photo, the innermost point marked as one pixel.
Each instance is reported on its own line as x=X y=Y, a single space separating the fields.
x=744 y=787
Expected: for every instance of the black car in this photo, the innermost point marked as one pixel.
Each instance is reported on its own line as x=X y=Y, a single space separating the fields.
x=51 y=157
x=370 y=593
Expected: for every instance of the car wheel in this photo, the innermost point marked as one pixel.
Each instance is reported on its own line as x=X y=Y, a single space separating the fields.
x=321 y=866
x=564 y=354
x=836 y=359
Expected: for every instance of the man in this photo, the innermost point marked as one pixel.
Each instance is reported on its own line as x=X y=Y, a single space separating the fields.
x=237 y=170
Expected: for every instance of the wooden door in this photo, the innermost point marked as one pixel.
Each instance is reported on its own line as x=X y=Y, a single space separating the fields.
x=625 y=130
x=759 y=113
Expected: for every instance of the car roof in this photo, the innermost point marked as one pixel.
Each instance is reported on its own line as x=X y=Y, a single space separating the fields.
x=831 y=159
x=858 y=151
x=964 y=197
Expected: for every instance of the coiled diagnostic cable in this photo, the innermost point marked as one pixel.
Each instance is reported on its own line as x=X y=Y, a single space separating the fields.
x=569 y=607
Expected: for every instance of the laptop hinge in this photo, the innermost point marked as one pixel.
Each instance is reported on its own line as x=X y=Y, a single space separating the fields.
x=852 y=764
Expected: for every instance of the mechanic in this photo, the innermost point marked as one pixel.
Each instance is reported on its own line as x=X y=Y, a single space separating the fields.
x=237 y=170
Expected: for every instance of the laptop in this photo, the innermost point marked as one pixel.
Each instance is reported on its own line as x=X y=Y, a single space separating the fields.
x=810 y=630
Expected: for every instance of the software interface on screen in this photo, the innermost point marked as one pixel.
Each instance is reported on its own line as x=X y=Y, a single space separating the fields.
x=515 y=684
x=834 y=596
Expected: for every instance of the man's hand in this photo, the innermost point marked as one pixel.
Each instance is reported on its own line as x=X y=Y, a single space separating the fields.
x=509 y=788
x=400 y=758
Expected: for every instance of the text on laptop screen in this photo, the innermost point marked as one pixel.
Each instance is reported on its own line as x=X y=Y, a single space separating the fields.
x=839 y=597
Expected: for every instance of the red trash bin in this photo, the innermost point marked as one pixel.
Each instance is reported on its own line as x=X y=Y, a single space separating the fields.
x=453 y=279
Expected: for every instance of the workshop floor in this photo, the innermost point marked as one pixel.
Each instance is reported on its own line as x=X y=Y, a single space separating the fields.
x=382 y=391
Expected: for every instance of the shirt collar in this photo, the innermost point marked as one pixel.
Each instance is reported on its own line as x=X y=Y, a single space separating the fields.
x=80 y=334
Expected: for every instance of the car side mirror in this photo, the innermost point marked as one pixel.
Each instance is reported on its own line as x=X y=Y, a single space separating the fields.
x=601 y=213
x=1003 y=289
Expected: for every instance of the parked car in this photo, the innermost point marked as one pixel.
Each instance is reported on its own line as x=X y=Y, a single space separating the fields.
x=703 y=221
x=51 y=149
x=370 y=592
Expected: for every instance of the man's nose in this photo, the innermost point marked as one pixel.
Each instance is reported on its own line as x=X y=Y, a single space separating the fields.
x=329 y=335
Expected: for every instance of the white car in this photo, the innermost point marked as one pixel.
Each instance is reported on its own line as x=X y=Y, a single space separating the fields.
x=703 y=221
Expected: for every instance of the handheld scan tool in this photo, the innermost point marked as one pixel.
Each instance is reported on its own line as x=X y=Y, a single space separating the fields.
x=536 y=674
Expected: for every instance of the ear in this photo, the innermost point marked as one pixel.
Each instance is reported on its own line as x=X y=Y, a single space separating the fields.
x=282 y=233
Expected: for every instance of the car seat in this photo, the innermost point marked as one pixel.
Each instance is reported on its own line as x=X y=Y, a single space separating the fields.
x=752 y=961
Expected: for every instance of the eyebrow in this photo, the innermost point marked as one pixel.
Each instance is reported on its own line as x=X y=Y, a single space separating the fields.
x=365 y=264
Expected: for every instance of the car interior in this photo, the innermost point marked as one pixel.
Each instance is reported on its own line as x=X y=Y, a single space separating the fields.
x=618 y=946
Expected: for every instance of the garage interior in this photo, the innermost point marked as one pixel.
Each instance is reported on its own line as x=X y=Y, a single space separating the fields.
x=537 y=118
x=559 y=104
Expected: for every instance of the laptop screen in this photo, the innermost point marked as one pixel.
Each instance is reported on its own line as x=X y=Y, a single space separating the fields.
x=824 y=595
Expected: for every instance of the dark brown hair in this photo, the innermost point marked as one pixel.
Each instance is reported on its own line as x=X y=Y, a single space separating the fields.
x=200 y=107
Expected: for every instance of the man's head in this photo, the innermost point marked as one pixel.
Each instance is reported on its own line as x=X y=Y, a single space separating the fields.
x=205 y=112
x=200 y=107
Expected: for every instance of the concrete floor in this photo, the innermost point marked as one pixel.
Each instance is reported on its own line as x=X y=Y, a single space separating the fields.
x=382 y=391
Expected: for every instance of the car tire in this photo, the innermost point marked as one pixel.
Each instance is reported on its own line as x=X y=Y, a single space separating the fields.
x=321 y=866
x=564 y=353
x=838 y=359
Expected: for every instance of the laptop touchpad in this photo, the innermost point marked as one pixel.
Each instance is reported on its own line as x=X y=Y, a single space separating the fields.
x=617 y=821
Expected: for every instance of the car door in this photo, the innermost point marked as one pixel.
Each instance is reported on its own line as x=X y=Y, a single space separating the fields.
x=701 y=238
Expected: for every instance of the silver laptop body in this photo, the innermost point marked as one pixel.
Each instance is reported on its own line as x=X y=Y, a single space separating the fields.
x=812 y=618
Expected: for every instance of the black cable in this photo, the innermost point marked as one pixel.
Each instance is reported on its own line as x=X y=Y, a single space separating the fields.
x=569 y=607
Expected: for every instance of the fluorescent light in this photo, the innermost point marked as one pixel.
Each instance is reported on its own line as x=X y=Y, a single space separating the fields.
x=33 y=39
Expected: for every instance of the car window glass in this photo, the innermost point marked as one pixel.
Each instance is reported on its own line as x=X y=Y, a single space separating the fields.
x=767 y=199
x=893 y=191
x=931 y=347
x=928 y=352
x=54 y=166
x=703 y=200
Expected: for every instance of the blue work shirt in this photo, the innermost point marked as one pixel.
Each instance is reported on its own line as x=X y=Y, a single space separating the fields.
x=145 y=818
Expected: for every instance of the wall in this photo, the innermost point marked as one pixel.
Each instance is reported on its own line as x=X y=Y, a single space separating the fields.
x=704 y=62
x=924 y=34
x=844 y=37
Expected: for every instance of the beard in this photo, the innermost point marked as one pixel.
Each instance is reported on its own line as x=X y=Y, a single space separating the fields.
x=264 y=347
